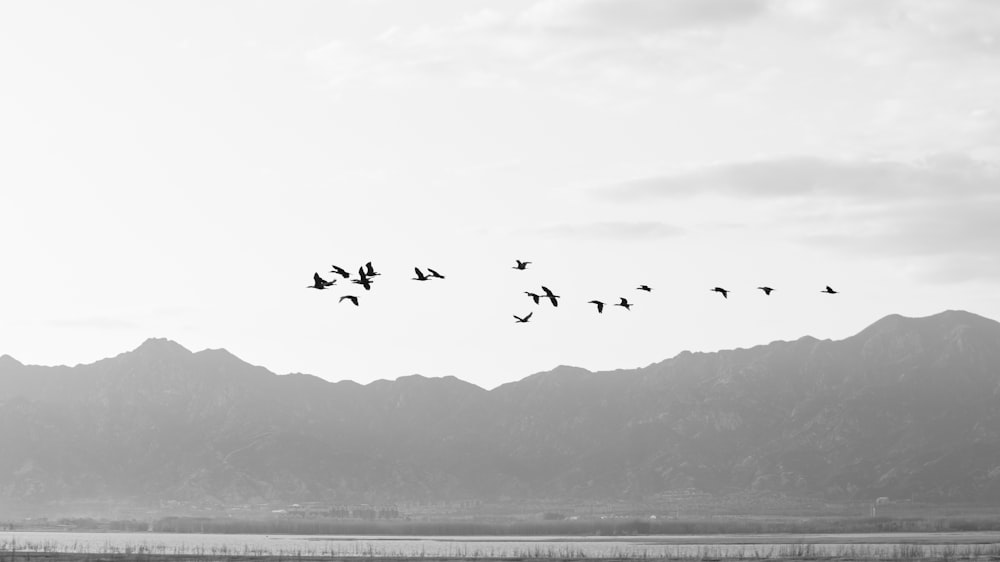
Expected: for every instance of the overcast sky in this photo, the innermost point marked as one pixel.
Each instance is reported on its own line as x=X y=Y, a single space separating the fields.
x=180 y=169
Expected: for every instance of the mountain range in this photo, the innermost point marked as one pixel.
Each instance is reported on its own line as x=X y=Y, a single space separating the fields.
x=907 y=408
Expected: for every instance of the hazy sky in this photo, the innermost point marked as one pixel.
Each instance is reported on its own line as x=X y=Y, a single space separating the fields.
x=180 y=169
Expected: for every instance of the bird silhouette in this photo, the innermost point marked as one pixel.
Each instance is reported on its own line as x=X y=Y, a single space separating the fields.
x=533 y=296
x=767 y=290
x=521 y=265
x=340 y=271
x=351 y=298
x=420 y=275
x=363 y=280
x=523 y=320
x=624 y=304
x=370 y=271
x=829 y=291
x=646 y=288
x=435 y=274
x=552 y=297
x=600 y=306
x=319 y=282
x=724 y=292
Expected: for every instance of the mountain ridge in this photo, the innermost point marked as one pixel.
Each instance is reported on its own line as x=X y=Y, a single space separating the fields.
x=905 y=407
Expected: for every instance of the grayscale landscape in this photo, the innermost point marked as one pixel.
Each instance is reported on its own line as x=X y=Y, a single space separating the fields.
x=499 y=279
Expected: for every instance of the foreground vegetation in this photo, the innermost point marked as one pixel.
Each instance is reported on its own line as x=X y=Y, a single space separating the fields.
x=41 y=552
x=581 y=527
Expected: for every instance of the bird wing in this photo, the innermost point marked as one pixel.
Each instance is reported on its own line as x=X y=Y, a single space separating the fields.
x=420 y=274
x=528 y=316
x=371 y=270
x=600 y=306
x=435 y=274
x=548 y=293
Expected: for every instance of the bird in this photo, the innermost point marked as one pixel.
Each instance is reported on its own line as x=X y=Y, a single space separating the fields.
x=646 y=288
x=533 y=296
x=351 y=298
x=552 y=297
x=624 y=304
x=420 y=275
x=370 y=271
x=363 y=280
x=340 y=271
x=523 y=320
x=767 y=290
x=435 y=274
x=319 y=282
x=521 y=265
x=600 y=306
x=725 y=292
x=829 y=291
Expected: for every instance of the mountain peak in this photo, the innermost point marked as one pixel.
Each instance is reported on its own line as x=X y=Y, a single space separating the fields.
x=8 y=361
x=942 y=320
x=161 y=346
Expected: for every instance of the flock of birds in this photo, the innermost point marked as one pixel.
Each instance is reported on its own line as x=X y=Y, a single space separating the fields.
x=367 y=273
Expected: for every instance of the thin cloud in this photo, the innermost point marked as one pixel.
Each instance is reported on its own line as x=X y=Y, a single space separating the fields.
x=642 y=16
x=809 y=177
x=936 y=215
x=614 y=230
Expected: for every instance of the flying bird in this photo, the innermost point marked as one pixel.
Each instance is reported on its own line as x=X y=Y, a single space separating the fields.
x=724 y=292
x=370 y=271
x=646 y=288
x=552 y=297
x=351 y=298
x=340 y=271
x=420 y=275
x=600 y=306
x=523 y=320
x=319 y=282
x=533 y=296
x=624 y=304
x=829 y=291
x=363 y=280
x=435 y=274
x=767 y=290
x=521 y=265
